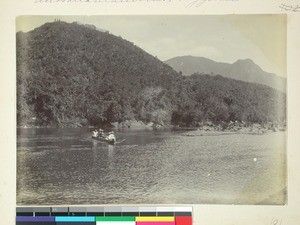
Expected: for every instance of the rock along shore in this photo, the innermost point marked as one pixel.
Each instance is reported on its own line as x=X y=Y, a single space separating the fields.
x=235 y=127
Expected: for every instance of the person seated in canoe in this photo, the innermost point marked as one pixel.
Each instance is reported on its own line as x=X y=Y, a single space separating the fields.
x=95 y=133
x=101 y=133
x=111 y=136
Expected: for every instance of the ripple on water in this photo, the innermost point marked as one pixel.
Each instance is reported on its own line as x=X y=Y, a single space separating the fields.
x=167 y=168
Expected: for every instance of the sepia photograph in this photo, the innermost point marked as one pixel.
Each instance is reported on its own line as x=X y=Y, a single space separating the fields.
x=151 y=109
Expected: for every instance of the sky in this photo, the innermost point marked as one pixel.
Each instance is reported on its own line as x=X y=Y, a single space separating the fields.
x=222 y=38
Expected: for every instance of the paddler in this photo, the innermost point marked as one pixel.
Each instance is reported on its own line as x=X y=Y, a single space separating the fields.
x=101 y=133
x=95 y=133
x=111 y=136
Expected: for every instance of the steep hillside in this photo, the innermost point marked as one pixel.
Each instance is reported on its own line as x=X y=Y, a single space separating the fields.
x=223 y=99
x=71 y=71
x=245 y=70
x=74 y=74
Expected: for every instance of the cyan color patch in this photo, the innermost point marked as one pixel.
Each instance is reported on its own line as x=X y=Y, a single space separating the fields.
x=74 y=219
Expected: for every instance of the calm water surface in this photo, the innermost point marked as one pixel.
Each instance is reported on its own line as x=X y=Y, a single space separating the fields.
x=65 y=166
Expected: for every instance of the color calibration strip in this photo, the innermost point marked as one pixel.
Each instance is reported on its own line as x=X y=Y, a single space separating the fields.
x=104 y=215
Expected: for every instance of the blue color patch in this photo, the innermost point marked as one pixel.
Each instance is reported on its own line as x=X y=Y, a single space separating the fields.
x=74 y=219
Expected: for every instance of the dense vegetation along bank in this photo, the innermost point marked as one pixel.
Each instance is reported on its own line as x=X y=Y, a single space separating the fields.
x=73 y=75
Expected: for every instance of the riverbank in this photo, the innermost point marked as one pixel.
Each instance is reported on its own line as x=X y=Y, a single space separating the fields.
x=234 y=128
x=127 y=124
x=205 y=128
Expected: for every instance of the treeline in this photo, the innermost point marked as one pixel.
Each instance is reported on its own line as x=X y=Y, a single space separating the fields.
x=219 y=99
x=68 y=73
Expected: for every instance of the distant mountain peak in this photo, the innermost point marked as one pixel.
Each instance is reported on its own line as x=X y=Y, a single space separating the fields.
x=247 y=65
x=245 y=61
x=243 y=69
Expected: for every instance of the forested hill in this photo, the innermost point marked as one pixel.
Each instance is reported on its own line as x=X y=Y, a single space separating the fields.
x=71 y=73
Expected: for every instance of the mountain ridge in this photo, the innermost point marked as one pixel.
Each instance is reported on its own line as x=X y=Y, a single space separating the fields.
x=242 y=69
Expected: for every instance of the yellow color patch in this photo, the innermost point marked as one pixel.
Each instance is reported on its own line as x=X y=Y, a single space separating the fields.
x=154 y=218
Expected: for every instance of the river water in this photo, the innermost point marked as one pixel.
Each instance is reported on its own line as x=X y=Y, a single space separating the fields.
x=65 y=166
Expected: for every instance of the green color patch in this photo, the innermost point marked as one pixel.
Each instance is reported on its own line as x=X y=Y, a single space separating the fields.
x=115 y=218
